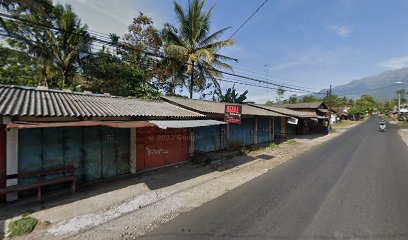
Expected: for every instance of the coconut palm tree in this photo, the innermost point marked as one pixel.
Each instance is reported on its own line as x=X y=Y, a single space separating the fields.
x=192 y=43
x=69 y=44
x=55 y=37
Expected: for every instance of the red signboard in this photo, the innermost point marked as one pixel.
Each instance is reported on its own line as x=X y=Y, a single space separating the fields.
x=233 y=114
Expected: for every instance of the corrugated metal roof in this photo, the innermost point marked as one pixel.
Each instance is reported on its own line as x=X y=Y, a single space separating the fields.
x=286 y=111
x=206 y=107
x=185 y=123
x=301 y=105
x=28 y=101
x=116 y=124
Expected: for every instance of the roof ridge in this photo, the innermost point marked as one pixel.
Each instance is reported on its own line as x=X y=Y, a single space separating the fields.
x=201 y=100
x=101 y=95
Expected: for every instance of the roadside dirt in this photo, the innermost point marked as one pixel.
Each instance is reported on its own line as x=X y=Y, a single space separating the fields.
x=403 y=132
x=141 y=208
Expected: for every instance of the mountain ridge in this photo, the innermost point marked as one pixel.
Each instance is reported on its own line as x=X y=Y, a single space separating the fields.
x=382 y=86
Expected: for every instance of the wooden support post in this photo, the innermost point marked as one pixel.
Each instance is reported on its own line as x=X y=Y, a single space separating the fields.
x=12 y=160
x=256 y=131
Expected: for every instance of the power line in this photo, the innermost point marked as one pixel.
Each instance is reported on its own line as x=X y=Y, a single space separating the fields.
x=249 y=18
x=269 y=75
x=108 y=42
x=226 y=79
x=370 y=90
x=279 y=82
x=96 y=39
x=245 y=22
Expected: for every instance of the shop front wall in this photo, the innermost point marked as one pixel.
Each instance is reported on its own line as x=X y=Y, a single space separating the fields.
x=263 y=130
x=157 y=147
x=242 y=134
x=277 y=126
x=209 y=138
x=2 y=158
x=95 y=152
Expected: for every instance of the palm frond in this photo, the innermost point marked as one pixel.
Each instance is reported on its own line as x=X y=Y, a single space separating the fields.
x=213 y=37
x=224 y=58
x=219 y=44
x=204 y=25
x=206 y=54
x=176 y=50
x=222 y=65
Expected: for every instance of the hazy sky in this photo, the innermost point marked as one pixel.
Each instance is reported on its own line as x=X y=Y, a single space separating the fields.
x=307 y=43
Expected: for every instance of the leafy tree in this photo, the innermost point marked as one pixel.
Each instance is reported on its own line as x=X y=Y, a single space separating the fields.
x=280 y=92
x=387 y=106
x=307 y=99
x=231 y=96
x=142 y=36
x=292 y=99
x=366 y=104
x=336 y=101
x=269 y=103
x=106 y=73
x=193 y=43
x=55 y=37
x=17 y=68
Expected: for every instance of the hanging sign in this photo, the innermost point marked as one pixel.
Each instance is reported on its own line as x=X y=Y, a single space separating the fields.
x=293 y=121
x=232 y=114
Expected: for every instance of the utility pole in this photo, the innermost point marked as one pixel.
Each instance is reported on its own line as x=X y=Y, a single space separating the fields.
x=330 y=102
x=330 y=98
x=399 y=103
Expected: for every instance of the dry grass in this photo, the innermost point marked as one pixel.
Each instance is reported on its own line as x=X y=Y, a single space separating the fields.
x=345 y=123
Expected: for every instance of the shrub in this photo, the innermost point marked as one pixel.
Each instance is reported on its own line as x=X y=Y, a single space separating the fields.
x=291 y=141
x=22 y=226
x=244 y=151
x=273 y=146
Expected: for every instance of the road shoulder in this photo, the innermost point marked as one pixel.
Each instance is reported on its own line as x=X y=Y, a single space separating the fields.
x=144 y=212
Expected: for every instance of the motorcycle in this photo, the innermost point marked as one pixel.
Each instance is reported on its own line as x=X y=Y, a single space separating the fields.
x=382 y=127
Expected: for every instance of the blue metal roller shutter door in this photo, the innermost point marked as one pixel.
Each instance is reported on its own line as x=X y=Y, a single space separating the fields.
x=277 y=126
x=107 y=152
x=92 y=154
x=95 y=152
x=122 y=150
x=29 y=152
x=108 y=155
x=248 y=126
x=74 y=150
x=291 y=130
x=263 y=130
x=207 y=139
x=242 y=134
x=235 y=135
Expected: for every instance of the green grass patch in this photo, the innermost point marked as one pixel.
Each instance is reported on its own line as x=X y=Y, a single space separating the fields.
x=22 y=226
x=244 y=151
x=273 y=146
x=291 y=141
x=402 y=123
x=344 y=123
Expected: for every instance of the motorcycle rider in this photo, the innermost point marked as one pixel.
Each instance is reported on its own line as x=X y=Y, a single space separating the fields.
x=382 y=125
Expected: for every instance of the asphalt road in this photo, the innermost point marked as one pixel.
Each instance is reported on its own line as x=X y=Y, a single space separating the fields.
x=352 y=187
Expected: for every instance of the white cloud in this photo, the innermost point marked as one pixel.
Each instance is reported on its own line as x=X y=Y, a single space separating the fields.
x=115 y=16
x=342 y=31
x=313 y=58
x=283 y=66
x=395 y=63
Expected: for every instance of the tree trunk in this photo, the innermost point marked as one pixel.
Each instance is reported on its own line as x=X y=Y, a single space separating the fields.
x=45 y=79
x=64 y=79
x=192 y=81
